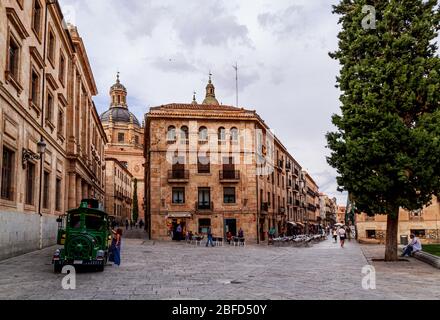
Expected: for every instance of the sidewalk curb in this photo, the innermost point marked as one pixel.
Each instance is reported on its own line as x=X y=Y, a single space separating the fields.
x=428 y=258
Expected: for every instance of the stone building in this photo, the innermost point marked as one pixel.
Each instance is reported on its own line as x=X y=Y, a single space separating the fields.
x=46 y=87
x=327 y=210
x=340 y=214
x=125 y=137
x=212 y=165
x=86 y=136
x=424 y=223
x=313 y=219
x=119 y=194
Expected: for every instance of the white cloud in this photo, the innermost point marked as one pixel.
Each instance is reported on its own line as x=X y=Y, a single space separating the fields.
x=165 y=50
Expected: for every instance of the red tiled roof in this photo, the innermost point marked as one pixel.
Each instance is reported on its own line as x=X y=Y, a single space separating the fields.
x=199 y=107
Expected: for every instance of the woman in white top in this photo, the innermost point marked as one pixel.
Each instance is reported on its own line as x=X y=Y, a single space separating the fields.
x=342 y=235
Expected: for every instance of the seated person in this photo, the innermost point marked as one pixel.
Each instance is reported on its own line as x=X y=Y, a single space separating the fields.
x=229 y=237
x=414 y=246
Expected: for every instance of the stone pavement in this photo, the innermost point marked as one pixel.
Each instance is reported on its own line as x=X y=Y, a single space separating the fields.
x=161 y=270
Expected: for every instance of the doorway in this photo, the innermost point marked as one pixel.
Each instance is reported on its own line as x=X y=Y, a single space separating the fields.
x=231 y=226
x=178 y=236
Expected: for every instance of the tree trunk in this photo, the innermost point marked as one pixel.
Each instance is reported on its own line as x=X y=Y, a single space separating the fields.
x=391 y=237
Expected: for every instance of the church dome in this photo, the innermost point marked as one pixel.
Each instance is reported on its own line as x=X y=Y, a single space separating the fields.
x=118 y=111
x=119 y=114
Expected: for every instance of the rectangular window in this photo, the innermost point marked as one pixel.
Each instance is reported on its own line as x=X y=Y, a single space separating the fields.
x=46 y=185
x=178 y=195
x=58 y=195
x=35 y=88
x=36 y=17
x=30 y=180
x=7 y=191
x=60 y=122
x=204 y=225
x=203 y=165
x=204 y=201
x=121 y=137
x=229 y=195
x=136 y=139
x=51 y=47
x=371 y=234
x=13 y=58
x=420 y=233
x=62 y=71
x=49 y=108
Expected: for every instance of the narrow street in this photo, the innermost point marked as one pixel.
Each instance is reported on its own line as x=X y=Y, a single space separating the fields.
x=160 y=270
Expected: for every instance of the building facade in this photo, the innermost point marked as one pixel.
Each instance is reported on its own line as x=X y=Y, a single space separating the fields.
x=125 y=136
x=37 y=137
x=313 y=219
x=424 y=223
x=340 y=214
x=327 y=210
x=219 y=167
x=119 y=194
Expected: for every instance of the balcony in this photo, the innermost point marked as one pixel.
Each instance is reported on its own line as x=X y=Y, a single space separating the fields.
x=288 y=166
x=231 y=176
x=282 y=210
x=296 y=188
x=178 y=176
x=289 y=184
x=265 y=207
x=280 y=165
x=204 y=206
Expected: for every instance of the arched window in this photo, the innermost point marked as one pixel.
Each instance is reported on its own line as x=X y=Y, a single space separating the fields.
x=221 y=134
x=203 y=134
x=234 y=134
x=171 y=134
x=184 y=133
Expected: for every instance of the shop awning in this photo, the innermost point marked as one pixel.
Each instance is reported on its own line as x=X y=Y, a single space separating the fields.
x=300 y=224
x=292 y=223
x=179 y=215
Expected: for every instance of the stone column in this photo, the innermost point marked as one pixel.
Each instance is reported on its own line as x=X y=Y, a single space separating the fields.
x=78 y=191
x=72 y=191
x=85 y=190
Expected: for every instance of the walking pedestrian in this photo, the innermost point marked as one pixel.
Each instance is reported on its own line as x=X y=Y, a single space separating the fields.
x=209 y=238
x=342 y=236
x=335 y=235
x=126 y=224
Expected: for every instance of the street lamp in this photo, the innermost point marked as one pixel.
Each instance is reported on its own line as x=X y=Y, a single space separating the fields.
x=41 y=147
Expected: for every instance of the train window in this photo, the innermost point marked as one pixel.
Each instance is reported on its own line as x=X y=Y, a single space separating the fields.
x=75 y=220
x=94 y=222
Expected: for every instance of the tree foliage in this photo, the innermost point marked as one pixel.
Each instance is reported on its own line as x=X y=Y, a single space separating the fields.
x=387 y=145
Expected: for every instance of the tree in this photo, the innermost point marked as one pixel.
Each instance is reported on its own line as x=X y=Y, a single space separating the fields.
x=387 y=145
x=135 y=202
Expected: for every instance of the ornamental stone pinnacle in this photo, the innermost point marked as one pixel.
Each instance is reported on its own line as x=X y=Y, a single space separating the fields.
x=210 y=93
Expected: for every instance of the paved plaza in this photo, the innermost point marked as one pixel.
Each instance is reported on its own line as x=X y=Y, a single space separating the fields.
x=161 y=270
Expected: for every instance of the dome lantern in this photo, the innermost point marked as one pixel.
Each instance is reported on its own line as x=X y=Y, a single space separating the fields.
x=118 y=94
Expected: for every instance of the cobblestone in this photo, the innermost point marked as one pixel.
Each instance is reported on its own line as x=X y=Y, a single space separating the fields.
x=161 y=270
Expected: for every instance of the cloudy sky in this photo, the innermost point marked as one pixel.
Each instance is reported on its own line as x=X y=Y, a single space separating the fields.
x=165 y=50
